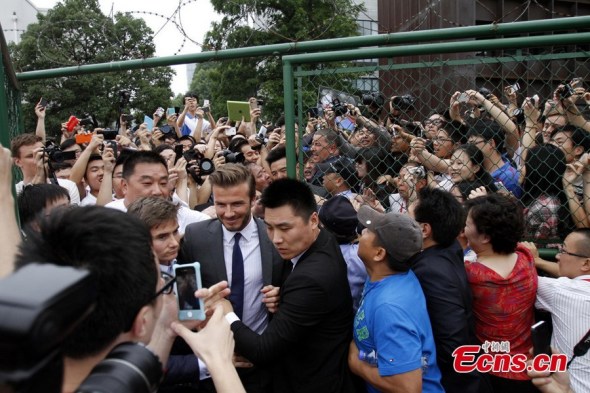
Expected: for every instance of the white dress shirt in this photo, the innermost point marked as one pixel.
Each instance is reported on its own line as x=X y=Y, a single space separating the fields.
x=255 y=314
x=568 y=301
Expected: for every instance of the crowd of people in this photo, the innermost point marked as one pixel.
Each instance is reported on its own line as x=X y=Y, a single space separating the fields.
x=401 y=242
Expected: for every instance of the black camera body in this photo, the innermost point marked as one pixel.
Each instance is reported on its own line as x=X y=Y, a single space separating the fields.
x=232 y=157
x=374 y=99
x=55 y=154
x=403 y=103
x=567 y=91
x=127 y=118
x=40 y=306
x=197 y=165
x=339 y=108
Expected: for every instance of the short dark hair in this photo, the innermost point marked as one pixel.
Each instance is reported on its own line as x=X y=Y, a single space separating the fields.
x=116 y=248
x=578 y=136
x=498 y=217
x=33 y=198
x=235 y=145
x=290 y=192
x=487 y=130
x=141 y=157
x=191 y=94
x=443 y=212
x=160 y=148
x=276 y=154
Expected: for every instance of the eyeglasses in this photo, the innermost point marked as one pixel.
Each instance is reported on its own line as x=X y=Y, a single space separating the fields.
x=169 y=281
x=562 y=250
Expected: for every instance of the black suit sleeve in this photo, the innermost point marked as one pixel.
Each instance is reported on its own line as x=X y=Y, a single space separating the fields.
x=302 y=306
x=446 y=309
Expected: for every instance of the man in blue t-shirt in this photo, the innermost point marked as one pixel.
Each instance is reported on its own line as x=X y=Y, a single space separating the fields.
x=393 y=346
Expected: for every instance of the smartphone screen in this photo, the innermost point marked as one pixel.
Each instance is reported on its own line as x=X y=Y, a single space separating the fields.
x=170 y=111
x=253 y=104
x=541 y=334
x=188 y=280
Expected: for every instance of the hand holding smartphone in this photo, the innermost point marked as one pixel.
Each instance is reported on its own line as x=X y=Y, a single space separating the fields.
x=188 y=281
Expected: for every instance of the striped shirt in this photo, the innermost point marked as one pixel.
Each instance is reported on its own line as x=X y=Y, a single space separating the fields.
x=568 y=301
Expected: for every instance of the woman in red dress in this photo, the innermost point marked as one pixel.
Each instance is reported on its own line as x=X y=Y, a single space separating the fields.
x=503 y=281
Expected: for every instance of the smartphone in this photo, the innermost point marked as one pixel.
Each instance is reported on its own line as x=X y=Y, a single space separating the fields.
x=83 y=138
x=43 y=102
x=170 y=111
x=463 y=97
x=113 y=145
x=188 y=280
x=541 y=334
x=160 y=112
x=231 y=131
x=178 y=150
x=206 y=107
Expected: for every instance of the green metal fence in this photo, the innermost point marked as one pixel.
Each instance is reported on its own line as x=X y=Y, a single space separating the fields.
x=429 y=65
x=548 y=180
x=11 y=123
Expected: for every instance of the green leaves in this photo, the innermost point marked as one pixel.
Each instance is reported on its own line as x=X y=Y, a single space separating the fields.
x=76 y=32
x=265 y=22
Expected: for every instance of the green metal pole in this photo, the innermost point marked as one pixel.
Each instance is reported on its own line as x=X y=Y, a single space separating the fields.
x=288 y=94
x=445 y=47
x=300 y=118
x=573 y=23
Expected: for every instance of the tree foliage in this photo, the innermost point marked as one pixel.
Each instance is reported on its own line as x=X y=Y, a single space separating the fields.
x=265 y=22
x=76 y=32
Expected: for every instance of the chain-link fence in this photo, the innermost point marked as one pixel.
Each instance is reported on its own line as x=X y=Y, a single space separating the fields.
x=511 y=120
x=10 y=115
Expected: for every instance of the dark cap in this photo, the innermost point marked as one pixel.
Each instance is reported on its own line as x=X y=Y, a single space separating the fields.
x=342 y=166
x=339 y=217
x=399 y=234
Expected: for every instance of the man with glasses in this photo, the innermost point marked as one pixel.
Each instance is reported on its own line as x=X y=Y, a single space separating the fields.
x=567 y=298
x=116 y=249
x=160 y=216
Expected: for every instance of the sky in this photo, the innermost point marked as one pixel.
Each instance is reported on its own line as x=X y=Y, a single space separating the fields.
x=196 y=18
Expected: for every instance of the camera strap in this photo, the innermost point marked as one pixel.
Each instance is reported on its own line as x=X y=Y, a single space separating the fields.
x=581 y=347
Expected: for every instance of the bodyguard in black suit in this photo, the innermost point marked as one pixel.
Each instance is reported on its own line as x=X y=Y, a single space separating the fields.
x=441 y=272
x=307 y=340
x=236 y=248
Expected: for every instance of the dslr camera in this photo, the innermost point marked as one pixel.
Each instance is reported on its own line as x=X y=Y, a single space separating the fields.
x=40 y=306
x=403 y=103
x=374 y=99
x=231 y=157
x=339 y=108
x=55 y=154
x=197 y=165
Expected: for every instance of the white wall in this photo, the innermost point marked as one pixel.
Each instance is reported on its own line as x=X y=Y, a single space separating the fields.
x=26 y=13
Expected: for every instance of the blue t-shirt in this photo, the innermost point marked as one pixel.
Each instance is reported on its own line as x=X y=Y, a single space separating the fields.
x=392 y=320
x=508 y=175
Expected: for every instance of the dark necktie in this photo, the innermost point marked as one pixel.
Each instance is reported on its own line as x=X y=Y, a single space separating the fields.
x=237 y=278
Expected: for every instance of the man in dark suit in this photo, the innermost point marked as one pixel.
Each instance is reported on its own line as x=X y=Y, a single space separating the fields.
x=236 y=248
x=307 y=339
x=441 y=272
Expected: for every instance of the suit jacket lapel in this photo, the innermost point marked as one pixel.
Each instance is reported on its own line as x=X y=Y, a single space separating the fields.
x=217 y=251
x=266 y=256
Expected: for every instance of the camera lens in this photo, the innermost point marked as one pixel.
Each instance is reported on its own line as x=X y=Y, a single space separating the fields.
x=129 y=368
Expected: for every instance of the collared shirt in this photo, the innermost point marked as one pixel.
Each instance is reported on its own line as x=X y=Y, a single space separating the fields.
x=255 y=315
x=296 y=259
x=568 y=301
x=185 y=215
